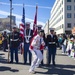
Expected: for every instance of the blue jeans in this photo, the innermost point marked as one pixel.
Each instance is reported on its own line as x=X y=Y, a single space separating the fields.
x=12 y=51
x=26 y=50
x=63 y=48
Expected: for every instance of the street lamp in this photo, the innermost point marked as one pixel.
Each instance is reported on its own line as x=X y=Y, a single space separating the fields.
x=10 y=15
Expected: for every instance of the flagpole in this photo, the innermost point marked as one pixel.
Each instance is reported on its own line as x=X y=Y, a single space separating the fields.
x=24 y=31
x=35 y=23
x=10 y=26
x=10 y=15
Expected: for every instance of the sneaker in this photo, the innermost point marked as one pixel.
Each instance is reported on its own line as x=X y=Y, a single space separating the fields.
x=36 y=66
x=63 y=53
x=72 y=57
x=11 y=62
x=32 y=72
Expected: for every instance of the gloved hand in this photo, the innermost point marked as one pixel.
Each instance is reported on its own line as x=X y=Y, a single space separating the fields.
x=22 y=44
x=8 y=45
x=46 y=48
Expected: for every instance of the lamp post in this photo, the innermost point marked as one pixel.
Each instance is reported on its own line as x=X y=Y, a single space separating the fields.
x=10 y=15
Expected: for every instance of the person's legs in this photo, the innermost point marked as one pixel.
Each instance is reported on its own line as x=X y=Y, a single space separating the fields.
x=37 y=58
x=16 y=55
x=40 y=57
x=11 y=54
x=4 y=46
x=49 y=55
x=25 y=53
x=34 y=60
x=63 y=48
x=53 y=55
x=42 y=60
x=30 y=56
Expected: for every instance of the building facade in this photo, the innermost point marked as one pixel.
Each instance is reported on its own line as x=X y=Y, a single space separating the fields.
x=46 y=28
x=63 y=16
x=5 y=23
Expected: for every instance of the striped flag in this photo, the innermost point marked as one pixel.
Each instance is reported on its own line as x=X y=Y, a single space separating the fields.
x=22 y=30
x=22 y=25
x=35 y=23
x=34 y=29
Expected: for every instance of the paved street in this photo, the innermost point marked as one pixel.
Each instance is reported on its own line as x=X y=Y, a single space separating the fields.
x=65 y=66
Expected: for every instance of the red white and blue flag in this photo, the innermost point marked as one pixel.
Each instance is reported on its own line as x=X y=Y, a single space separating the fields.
x=35 y=23
x=22 y=25
x=34 y=28
x=22 y=29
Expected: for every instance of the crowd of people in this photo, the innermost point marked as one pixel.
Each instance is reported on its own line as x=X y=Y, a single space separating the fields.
x=34 y=45
x=67 y=44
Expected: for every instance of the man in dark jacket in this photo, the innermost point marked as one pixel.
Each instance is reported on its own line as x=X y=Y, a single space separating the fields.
x=14 y=39
x=52 y=42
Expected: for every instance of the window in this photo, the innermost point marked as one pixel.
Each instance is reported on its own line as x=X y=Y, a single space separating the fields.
x=62 y=9
x=62 y=16
x=68 y=0
x=62 y=26
x=69 y=15
x=74 y=7
x=68 y=25
x=0 y=23
x=74 y=15
x=74 y=24
x=68 y=7
x=62 y=2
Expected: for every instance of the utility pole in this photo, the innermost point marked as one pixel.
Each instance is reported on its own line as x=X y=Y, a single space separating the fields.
x=10 y=26
x=10 y=15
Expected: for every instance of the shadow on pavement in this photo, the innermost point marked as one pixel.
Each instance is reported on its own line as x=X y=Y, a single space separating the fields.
x=61 y=55
x=59 y=70
x=2 y=59
x=3 y=68
x=2 y=54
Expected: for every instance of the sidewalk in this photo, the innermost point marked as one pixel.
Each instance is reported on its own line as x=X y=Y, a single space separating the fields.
x=65 y=66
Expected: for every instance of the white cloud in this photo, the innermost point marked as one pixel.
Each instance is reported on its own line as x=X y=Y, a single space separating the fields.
x=19 y=17
x=45 y=7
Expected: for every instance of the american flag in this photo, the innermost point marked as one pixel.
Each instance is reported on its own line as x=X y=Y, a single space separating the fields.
x=35 y=23
x=22 y=25
x=22 y=30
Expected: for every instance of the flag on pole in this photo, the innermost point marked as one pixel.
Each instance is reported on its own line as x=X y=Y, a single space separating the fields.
x=22 y=25
x=22 y=30
x=35 y=23
x=34 y=29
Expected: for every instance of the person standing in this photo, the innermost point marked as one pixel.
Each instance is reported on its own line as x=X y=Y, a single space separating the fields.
x=36 y=46
x=5 y=42
x=64 y=44
x=28 y=37
x=14 y=39
x=52 y=42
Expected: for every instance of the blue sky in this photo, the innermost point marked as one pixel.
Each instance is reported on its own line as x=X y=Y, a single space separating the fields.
x=44 y=8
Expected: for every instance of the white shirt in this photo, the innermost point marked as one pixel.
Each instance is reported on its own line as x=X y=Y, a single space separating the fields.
x=36 y=42
x=51 y=35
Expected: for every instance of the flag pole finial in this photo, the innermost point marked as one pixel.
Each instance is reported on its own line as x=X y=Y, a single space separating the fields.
x=36 y=5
